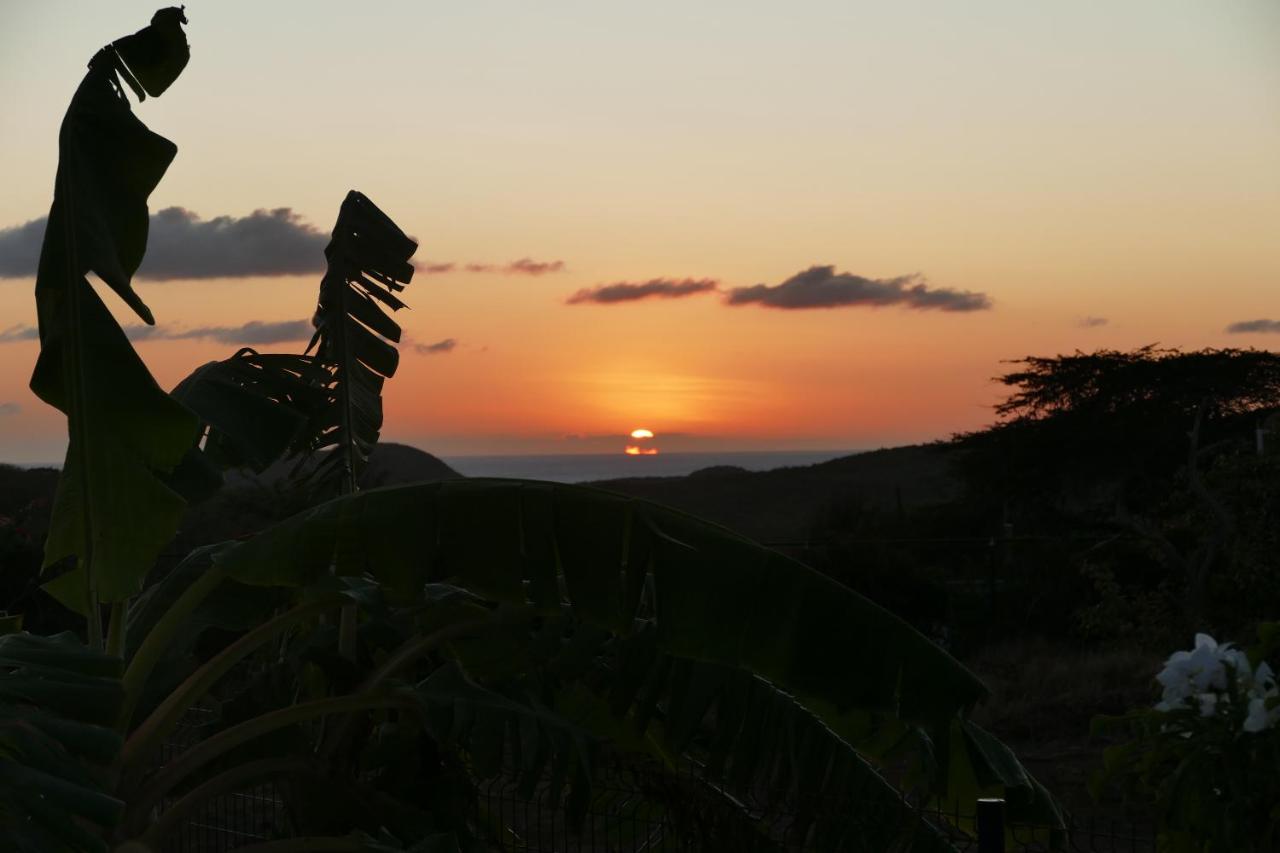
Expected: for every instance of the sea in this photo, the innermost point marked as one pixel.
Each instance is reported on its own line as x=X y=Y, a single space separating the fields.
x=586 y=467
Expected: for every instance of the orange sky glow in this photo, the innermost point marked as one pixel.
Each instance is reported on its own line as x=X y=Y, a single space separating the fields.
x=1091 y=176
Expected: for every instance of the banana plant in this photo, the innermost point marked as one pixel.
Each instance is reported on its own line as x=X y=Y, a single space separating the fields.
x=509 y=628
x=531 y=628
x=58 y=704
x=113 y=512
x=368 y=265
x=253 y=409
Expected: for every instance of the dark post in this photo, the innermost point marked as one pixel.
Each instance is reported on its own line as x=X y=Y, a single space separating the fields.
x=990 y=825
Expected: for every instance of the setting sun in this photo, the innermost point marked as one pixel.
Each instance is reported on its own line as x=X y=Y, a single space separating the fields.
x=641 y=433
x=635 y=450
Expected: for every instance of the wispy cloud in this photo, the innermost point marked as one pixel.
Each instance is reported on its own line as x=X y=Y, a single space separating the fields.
x=431 y=268
x=823 y=287
x=9 y=409
x=181 y=245
x=528 y=266
x=253 y=333
x=521 y=266
x=19 y=333
x=438 y=348
x=1092 y=322
x=657 y=288
x=1244 y=327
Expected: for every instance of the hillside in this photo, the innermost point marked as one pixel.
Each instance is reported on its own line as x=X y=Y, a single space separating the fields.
x=783 y=505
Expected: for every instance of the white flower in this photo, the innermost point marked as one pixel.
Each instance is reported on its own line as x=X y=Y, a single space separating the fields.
x=1187 y=675
x=1239 y=661
x=1208 y=701
x=1259 y=717
x=1264 y=677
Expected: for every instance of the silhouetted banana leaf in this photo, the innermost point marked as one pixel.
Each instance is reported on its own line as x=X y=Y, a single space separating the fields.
x=58 y=700
x=720 y=647
x=368 y=264
x=112 y=511
x=253 y=408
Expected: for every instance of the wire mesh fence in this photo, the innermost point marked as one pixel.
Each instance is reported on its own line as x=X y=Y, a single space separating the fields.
x=642 y=808
x=623 y=818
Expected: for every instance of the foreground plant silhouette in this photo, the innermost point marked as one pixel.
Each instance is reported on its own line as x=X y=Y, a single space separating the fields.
x=506 y=627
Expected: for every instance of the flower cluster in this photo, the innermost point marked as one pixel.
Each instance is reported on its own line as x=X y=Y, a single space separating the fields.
x=1211 y=677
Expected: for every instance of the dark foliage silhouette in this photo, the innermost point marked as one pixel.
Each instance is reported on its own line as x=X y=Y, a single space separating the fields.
x=506 y=627
x=368 y=265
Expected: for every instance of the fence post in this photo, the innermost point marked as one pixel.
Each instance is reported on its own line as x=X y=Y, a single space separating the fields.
x=990 y=825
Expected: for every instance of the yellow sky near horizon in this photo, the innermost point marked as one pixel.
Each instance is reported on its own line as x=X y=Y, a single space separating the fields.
x=1115 y=161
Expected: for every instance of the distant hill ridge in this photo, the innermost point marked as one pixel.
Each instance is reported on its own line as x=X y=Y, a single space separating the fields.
x=782 y=504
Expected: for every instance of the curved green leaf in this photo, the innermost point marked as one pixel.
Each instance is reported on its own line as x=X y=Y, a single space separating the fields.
x=673 y=619
x=111 y=511
x=716 y=597
x=56 y=700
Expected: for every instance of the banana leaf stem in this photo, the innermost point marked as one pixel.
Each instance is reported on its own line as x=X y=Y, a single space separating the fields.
x=166 y=779
x=230 y=781
x=159 y=637
x=73 y=374
x=409 y=651
x=117 y=628
x=151 y=733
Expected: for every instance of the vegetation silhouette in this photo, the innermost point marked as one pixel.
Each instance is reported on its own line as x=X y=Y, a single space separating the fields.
x=506 y=627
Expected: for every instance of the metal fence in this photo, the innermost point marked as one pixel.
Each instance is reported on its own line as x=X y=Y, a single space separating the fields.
x=626 y=813
x=622 y=818
x=636 y=807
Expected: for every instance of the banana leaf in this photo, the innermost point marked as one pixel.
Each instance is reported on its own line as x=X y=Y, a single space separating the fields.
x=58 y=700
x=253 y=408
x=368 y=264
x=112 y=509
x=716 y=645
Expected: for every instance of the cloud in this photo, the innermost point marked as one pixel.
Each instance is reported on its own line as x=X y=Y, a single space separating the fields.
x=657 y=288
x=9 y=409
x=429 y=268
x=528 y=266
x=1092 y=322
x=523 y=266
x=438 y=348
x=20 y=248
x=823 y=287
x=181 y=245
x=1247 y=326
x=19 y=333
x=253 y=333
x=266 y=242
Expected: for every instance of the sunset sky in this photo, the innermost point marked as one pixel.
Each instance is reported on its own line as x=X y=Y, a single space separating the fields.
x=986 y=180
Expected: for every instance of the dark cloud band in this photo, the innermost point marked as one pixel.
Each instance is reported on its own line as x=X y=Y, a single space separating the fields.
x=522 y=266
x=823 y=287
x=438 y=348
x=253 y=333
x=658 y=288
x=19 y=333
x=1245 y=327
x=181 y=245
